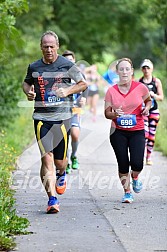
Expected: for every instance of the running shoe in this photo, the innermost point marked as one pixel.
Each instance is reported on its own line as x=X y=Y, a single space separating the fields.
x=53 y=205
x=68 y=169
x=74 y=164
x=127 y=198
x=137 y=185
x=61 y=183
x=149 y=162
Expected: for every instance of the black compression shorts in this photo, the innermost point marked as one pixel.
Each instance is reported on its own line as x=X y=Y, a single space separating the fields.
x=53 y=137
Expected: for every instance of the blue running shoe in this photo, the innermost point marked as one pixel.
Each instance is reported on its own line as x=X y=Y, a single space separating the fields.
x=137 y=185
x=61 y=183
x=127 y=198
x=53 y=205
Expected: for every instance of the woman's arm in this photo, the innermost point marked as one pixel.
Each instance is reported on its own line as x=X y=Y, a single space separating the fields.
x=147 y=107
x=109 y=112
x=159 y=96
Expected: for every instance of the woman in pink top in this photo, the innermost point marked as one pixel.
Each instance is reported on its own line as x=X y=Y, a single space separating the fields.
x=123 y=105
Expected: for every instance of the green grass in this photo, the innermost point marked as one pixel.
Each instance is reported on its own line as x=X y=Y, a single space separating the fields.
x=161 y=135
x=21 y=131
x=12 y=141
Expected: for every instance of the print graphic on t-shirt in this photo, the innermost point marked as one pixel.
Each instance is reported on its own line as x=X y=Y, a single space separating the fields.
x=51 y=99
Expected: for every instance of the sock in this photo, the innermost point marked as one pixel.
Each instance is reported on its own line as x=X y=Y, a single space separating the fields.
x=58 y=175
x=68 y=156
x=74 y=148
x=135 y=178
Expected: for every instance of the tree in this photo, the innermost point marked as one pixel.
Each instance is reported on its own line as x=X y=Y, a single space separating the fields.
x=92 y=27
x=10 y=43
x=10 y=36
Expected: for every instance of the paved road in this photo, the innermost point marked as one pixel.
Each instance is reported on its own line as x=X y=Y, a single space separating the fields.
x=92 y=217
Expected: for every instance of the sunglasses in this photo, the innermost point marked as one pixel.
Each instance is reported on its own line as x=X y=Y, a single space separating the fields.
x=145 y=67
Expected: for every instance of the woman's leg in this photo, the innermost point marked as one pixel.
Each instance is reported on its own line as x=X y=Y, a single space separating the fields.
x=153 y=122
x=119 y=142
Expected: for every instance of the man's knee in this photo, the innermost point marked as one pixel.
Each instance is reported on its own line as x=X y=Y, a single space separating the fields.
x=60 y=164
x=47 y=160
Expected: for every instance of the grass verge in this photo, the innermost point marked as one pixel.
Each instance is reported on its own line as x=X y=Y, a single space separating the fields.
x=161 y=135
x=12 y=142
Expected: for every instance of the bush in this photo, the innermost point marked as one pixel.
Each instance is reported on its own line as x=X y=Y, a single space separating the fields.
x=10 y=223
x=161 y=135
x=9 y=95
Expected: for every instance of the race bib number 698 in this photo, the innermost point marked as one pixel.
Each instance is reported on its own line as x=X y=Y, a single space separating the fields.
x=126 y=121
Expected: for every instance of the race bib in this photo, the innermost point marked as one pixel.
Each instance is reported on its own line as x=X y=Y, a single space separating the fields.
x=51 y=99
x=126 y=121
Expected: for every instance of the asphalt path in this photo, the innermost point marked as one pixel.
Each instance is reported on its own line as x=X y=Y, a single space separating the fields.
x=92 y=217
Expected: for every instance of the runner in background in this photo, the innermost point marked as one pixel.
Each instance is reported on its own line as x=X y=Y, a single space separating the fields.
x=151 y=121
x=93 y=80
x=111 y=77
x=79 y=100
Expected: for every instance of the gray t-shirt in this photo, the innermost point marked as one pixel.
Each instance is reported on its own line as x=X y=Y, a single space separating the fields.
x=47 y=78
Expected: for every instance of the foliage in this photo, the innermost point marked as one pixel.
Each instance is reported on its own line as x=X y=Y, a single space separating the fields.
x=159 y=8
x=10 y=37
x=161 y=74
x=10 y=44
x=146 y=34
x=9 y=95
x=91 y=28
x=119 y=25
x=10 y=223
x=161 y=135
x=33 y=24
x=21 y=132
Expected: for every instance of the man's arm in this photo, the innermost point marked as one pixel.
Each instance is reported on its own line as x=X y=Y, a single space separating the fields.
x=29 y=91
x=82 y=98
x=74 y=89
x=77 y=88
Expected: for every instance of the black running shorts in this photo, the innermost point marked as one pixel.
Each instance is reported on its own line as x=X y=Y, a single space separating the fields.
x=53 y=137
